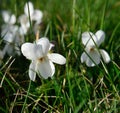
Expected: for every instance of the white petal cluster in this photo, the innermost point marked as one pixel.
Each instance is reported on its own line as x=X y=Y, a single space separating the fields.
x=30 y=15
x=11 y=34
x=13 y=30
x=41 y=57
x=92 y=55
x=8 y=29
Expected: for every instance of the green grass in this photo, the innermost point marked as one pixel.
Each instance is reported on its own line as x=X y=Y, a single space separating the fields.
x=75 y=88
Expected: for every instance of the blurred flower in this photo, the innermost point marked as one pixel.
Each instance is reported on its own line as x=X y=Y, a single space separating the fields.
x=42 y=59
x=35 y=14
x=30 y=14
x=13 y=42
x=8 y=29
x=11 y=49
x=11 y=34
x=25 y=23
x=92 y=54
x=8 y=32
x=8 y=17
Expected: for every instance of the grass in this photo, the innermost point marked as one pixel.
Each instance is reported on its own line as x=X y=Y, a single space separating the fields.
x=75 y=88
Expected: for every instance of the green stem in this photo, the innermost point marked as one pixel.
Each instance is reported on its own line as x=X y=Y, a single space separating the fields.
x=24 y=105
x=103 y=16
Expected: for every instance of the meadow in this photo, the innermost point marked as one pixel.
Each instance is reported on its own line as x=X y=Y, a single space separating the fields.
x=77 y=86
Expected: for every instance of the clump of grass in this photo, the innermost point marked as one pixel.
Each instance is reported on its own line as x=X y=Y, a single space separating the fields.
x=74 y=87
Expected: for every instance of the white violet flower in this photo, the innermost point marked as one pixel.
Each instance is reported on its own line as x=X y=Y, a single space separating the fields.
x=92 y=54
x=35 y=15
x=42 y=59
x=8 y=29
x=11 y=34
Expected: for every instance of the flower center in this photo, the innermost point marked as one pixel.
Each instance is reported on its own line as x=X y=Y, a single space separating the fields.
x=91 y=49
x=41 y=59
